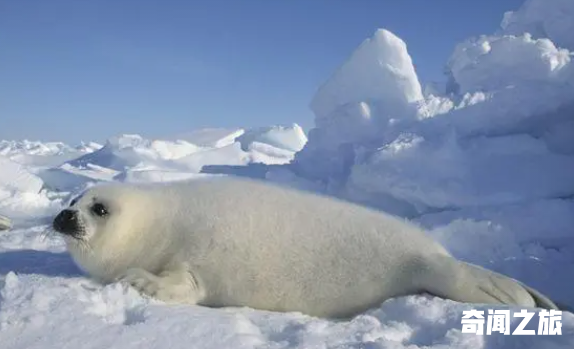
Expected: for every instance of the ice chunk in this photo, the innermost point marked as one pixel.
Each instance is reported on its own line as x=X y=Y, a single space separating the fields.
x=491 y=63
x=14 y=176
x=211 y=137
x=127 y=151
x=505 y=92
x=262 y=153
x=291 y=138
x=550 y=19
x=229 y=155
x=88 y=147
x=43 y=154
x=9 y=148
x=118 y=153
x=375 y=91
x=380 y=69
x=452 y=173
x=168 y=150
x=69 y=178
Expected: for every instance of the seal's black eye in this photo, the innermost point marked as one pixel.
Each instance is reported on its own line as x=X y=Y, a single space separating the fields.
x=99 y=209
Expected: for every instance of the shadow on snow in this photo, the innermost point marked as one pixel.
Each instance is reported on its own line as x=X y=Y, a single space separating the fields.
x=38 y=262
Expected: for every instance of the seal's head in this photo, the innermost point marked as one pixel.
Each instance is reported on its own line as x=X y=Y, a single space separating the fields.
x=101 y=212
x=104 y=227
x=80 y=221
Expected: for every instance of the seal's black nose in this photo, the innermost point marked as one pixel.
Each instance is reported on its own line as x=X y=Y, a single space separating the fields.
x=66 y=222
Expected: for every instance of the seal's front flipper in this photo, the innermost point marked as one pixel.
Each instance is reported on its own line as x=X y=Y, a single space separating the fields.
x=170 y=286
x=464 y=282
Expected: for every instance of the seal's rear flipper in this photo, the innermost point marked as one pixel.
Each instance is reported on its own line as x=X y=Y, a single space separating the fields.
x=464 y=282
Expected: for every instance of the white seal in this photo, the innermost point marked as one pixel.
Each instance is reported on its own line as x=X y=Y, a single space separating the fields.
x=230 y=242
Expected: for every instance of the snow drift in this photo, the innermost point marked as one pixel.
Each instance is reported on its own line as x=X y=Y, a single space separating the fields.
x=134 y=158
x=484 y=163
x=16 y=177
x=495 y=143
x=543 y=19
x=39 y=154
x=501 y=133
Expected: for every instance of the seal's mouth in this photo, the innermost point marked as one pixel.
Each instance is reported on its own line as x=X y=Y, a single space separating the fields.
x=67 y=223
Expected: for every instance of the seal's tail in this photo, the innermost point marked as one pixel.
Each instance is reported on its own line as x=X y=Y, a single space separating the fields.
x=464 y=282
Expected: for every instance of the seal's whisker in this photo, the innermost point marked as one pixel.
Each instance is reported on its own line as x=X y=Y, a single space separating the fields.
x=46 y=232
x=84 y=245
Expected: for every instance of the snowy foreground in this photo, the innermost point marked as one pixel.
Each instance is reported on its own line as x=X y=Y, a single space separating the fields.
x=484 y=160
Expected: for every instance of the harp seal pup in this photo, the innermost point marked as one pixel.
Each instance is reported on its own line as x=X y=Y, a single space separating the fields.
x=230 y=242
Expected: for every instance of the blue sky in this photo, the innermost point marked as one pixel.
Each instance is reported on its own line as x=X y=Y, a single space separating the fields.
x=75 y=70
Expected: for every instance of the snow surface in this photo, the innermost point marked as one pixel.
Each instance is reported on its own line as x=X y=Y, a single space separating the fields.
x=483 y=160
x=15 y=177
x=500 y=133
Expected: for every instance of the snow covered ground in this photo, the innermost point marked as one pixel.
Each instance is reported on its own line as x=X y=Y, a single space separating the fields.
x=485 y=163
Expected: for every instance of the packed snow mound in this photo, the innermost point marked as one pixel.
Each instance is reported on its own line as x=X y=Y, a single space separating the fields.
x=72 y=179
x=274 y=145
x=488 y=161
x=550 y=19
x=374 y=91
x=88 y=147
x=127 y=151
x=22 y=194
x=9 y=148
x=26 y=209
x=505 y=134
x=231 y=155
x=291 y=138
x=15 y=177
x=173 y=150
x=491 y=63
x=263 y=153
x=211 y=137
x=118 y=154
x=44 y=154
x=451 y=173
x=380 y=69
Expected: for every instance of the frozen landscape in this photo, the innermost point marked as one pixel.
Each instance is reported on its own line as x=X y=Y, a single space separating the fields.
x=483 y=160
